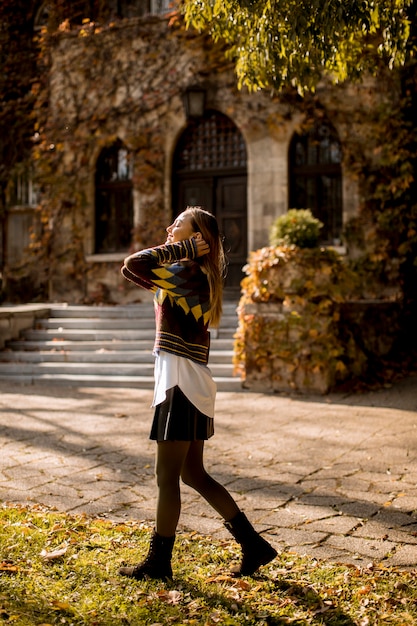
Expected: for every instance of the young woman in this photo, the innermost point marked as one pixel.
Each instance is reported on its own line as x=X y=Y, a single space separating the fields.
x=186 y=275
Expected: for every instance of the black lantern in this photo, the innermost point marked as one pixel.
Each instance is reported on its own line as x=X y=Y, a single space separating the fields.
x=194 y=101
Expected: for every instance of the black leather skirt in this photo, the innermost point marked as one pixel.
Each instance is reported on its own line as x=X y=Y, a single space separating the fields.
x=177 y=419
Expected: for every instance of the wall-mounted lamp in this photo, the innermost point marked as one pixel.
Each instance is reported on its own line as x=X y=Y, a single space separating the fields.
x=194 y=100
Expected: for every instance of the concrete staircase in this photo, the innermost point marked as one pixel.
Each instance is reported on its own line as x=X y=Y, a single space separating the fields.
x=104 y=346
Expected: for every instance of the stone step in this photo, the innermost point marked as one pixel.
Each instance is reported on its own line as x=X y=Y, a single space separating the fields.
x=98 y=323
x=105 y=334
x=98 y=355
x=95 y=368
x=142 y=322
x=224 y=383
x=104 y=346
x=23 y=345
x=130 y=311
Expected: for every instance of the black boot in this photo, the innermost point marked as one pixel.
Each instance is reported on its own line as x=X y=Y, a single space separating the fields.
x=256 y=551
x=157 y=563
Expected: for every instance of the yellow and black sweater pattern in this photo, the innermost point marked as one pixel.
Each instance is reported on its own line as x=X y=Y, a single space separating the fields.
x=182 y=297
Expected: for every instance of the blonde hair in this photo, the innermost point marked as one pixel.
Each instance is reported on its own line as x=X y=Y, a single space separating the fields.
x=214 y=263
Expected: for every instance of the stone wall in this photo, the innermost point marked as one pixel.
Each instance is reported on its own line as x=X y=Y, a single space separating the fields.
x=126 y=82
x=365 y=333
x=15 y=319
x=303 y=325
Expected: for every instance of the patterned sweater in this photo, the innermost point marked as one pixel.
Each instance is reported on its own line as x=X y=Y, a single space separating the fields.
x=182 y=297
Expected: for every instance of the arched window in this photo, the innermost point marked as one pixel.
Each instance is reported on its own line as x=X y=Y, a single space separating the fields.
x=114 y=204
x=42 y=15
x=315 y=177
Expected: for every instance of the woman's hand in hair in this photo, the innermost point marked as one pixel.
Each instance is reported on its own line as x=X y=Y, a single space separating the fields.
x=202 y=246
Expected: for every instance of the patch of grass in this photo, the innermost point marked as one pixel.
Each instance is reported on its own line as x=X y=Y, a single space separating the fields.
x=62 y=569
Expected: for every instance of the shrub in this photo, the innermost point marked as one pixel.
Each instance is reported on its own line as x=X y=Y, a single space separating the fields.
x=297 y=227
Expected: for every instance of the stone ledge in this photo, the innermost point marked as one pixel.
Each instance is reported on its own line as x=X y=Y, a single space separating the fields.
x=14 y=319
x=360 y=331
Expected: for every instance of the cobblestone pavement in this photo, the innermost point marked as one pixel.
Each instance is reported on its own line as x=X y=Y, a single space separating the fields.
x=333 y=477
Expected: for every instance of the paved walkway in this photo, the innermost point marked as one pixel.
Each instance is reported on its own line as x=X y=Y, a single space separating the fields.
x=332 y=477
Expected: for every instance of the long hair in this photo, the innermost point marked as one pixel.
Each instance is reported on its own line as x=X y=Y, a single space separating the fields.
x=214 y=263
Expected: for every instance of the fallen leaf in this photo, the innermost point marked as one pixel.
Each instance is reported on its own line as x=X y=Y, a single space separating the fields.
x=170 y=597
x=55 y=554
x=220 y=578
x=60 y=606
x=8 y=567
x=242 y=584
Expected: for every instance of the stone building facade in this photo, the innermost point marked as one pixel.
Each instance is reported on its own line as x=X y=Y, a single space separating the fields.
x=119 y=154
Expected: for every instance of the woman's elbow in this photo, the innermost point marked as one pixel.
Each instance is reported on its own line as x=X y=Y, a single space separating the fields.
x=129 y=263
x=127 y=273
x=126 y=261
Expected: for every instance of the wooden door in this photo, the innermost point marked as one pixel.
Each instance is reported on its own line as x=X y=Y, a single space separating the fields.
x=209 y=170
x=225 y=197
x=194 y=192
x=231 y=213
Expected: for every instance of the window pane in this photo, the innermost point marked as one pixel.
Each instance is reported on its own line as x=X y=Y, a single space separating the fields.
x=300 y=153
x=316 y=177
x=114 y=203
x=127 y=8
x=212 y=142
x=113 y=220
x=161 y=6
x=123 y=165
x=23 y=190
x=114 y=164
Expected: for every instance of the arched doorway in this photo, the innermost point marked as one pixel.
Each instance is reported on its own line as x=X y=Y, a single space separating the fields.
x=209 y=169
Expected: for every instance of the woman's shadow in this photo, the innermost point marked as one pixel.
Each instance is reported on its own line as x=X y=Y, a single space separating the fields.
x=302 y=596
